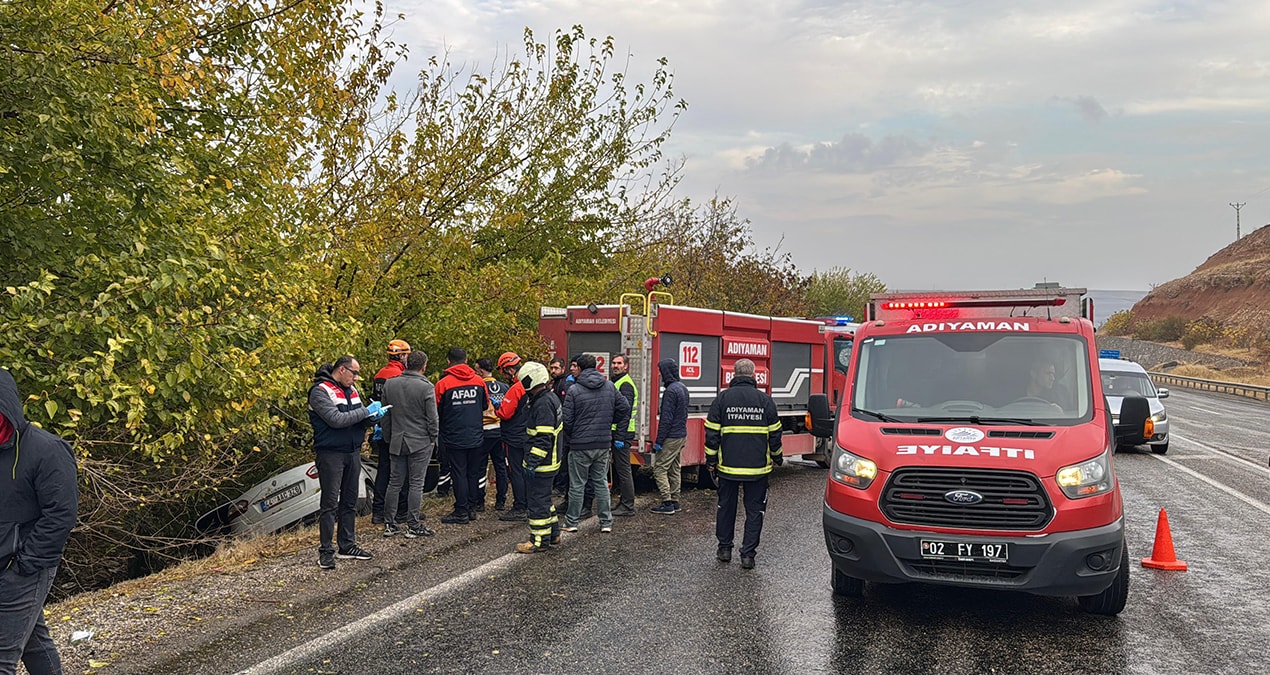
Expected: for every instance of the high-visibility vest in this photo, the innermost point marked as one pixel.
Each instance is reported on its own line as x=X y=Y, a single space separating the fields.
x=626 y=379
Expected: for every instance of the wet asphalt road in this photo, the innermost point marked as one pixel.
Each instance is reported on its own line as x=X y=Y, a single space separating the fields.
x=650 y=597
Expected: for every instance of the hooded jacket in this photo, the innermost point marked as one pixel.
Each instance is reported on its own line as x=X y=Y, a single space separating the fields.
x=591 y=409
x=39 y=489
x=338 y=417
x=513 y=416
x=461 y=401
x=672 y=418
x=390 y=370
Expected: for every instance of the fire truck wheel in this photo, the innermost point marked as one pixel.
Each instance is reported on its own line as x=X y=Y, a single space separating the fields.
x=704 y=480
x=1111 y=601
x=845 y=586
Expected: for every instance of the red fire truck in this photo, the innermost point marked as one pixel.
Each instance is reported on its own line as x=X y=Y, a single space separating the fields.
x=791 y=357
x=973 y=447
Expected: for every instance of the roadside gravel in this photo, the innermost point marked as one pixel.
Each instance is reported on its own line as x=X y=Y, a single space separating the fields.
x=183 y=608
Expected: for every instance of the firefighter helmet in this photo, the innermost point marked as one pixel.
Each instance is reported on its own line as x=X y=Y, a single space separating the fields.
x=398 y=347
x=533 y=374
x=508 y=360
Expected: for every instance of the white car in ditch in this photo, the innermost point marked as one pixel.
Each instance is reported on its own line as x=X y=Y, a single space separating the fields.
x=291 y=497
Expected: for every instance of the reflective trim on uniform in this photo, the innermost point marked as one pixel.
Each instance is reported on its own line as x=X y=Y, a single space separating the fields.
x=713 y=425
x=711 y=452
x=744 y=430
x=775 y=427
x=538 y=452
x=745 y=471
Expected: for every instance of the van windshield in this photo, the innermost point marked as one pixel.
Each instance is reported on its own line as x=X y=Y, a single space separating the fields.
x=977 y=378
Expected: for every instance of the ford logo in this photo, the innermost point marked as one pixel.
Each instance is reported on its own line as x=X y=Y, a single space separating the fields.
x=963 y=497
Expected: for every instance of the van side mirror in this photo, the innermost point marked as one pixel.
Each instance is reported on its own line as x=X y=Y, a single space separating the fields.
x=1162 y=393
x=821 y=418
x=1135 y=427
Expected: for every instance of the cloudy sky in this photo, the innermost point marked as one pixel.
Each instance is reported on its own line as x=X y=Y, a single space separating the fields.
x=957 y=144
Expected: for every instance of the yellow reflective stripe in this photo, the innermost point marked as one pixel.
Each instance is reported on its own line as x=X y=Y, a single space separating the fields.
x=712 y=451
x=538 y=452
x=712 y=425
x=539 y=522
x=542 y=430
x=742 y=471
x=774 y=427
x=744 y=430
x=548 y=467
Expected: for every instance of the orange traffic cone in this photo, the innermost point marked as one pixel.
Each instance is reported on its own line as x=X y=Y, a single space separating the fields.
x=1162 y=555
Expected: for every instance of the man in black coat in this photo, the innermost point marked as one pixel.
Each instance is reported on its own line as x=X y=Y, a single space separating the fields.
x=595 y=416
x=39 y=503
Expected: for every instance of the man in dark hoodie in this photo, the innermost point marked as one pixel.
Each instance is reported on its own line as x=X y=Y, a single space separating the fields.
x=39 y=502
x=595 y=416
x=339 y=422
x=672 y=433
x=461 y=401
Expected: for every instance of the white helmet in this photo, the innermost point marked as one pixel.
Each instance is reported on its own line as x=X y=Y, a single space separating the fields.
x=533 y=374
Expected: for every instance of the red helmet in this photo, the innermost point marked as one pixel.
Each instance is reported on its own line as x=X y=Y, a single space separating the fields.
x=398 y=347
x=508 y=360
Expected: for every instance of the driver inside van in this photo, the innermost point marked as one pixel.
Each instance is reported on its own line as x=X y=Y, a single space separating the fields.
x=1041 y=378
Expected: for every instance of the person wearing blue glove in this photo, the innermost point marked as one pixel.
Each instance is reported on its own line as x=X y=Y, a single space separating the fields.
x=672 y=434
x=339 y=420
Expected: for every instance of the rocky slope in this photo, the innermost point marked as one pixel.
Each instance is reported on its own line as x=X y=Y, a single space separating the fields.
x=1232 y=286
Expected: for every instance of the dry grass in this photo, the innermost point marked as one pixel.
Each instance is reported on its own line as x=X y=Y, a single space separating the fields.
x=1245 y=375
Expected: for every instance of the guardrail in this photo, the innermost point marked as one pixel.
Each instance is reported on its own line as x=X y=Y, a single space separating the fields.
x=1236 y=388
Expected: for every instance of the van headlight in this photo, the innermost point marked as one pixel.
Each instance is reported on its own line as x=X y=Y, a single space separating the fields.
x=1159 y=417
x=849 y=469
x=1090 y=477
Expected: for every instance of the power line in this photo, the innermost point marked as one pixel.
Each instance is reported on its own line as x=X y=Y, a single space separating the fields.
x=1236 y=207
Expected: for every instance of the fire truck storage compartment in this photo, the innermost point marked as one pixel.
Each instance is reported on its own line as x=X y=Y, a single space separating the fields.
x=701 y=352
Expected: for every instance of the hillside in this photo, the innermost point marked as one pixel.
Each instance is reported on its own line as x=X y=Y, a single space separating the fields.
x=1232 y=287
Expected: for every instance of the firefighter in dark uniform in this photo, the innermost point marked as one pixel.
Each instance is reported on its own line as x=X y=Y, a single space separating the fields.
x=542 y=456
x=743 y=441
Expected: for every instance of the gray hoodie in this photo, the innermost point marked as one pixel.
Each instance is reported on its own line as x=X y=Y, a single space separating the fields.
x=39 y=490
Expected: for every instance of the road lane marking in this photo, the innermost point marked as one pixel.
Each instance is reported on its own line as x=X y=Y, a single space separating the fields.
x=1221 y=453
x=1206 y=410
x=1264 y=508
x=341 y=636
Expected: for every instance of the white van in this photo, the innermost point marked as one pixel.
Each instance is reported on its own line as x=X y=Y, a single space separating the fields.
x=1122 y=378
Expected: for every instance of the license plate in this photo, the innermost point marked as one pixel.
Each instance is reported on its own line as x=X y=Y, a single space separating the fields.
x=965 y=551
x=282 y=495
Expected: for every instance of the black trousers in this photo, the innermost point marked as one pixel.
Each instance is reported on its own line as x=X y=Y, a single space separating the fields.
x=467 y=465
x=755 y=505
x=338 y=474
x=516 y=471
x=497 y=452
x=383 y=464
x=543 y=523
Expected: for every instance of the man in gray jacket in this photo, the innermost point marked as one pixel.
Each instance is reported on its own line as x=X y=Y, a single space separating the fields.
x=596 y=419
x=411 y=430
x=39 y=501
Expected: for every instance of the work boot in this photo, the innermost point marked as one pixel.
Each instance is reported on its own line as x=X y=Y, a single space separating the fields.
x=500 y=505
x=515 y=515
x=724 y=554
x=747 y=562
x=624 y=512
x=555 y=541
x=527 y=547
x=456 y=518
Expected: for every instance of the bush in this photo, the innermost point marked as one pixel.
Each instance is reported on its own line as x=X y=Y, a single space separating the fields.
x=1120 y=323
x=1203 y=330
x=1168 y=329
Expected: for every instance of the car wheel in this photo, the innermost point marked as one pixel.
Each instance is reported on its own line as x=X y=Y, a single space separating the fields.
x=366 y=504
x=1111 y=601
x=1161 y=448
x=846 y=586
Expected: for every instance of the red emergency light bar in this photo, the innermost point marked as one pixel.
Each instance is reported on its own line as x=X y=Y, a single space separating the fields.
x=991 y=302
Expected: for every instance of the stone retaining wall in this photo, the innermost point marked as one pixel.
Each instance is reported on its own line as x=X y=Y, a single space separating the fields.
x=1151 y=354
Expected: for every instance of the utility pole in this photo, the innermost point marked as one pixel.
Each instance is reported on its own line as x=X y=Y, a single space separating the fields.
x=1236 y=207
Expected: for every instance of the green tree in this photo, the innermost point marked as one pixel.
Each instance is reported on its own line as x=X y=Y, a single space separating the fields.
x=839 y=291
